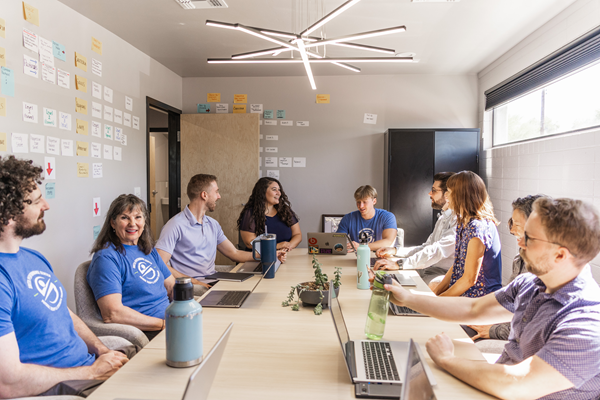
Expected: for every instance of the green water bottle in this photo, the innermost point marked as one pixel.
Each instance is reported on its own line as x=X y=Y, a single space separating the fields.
x=378 y=307
x=363 y=263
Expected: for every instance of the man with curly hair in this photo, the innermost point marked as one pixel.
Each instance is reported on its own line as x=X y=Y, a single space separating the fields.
x=42 y=343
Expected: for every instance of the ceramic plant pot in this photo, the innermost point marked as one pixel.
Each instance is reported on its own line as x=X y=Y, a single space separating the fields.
x=311 y=297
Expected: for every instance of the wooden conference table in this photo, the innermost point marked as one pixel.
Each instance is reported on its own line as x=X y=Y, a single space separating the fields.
x=277 y=353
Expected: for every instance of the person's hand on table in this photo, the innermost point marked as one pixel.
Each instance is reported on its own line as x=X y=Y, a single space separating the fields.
x=483 y=331
x=440 y=348
x=349 y=246
x=385 y=252
x=284 y=246
x=282 y=255
x=107 y=364
x=385 y=264
x=197 y=282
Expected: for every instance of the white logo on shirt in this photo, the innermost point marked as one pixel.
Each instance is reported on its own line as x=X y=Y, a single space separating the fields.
x=145 y=270
x=51 y=294
x=368 y=234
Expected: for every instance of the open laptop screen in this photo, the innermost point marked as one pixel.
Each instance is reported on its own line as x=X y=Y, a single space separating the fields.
x=338 y=318
x=416 y=385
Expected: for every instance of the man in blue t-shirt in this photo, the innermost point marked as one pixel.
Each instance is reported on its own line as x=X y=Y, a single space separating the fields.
x=42 y=343
x=375 y=226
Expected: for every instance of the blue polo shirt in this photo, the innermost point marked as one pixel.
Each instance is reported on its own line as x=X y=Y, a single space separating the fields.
x=353 y=224
x=192 y=245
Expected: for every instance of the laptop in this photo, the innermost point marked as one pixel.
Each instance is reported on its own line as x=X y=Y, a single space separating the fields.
x=327 y=243
x=229 y=276
x=229 y=298
x=417 y=385
x=255 y=267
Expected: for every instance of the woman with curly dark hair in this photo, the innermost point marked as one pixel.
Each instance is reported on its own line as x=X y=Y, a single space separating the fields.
x=268 y=207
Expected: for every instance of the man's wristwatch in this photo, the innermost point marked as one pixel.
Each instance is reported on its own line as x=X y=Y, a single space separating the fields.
x=400 y=263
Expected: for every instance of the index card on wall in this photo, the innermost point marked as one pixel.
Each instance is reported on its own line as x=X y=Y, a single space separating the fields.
x=300 y=162
x=64 y=79
x=285 y=162
x=52 y=145
x=64 y=121
x=256 y=108
x=286 y=123
x=31 y=66
x=96 y=207
x=270 y=122
x=222 y=108
x=96 y=110
x=270 y=161
x=302 y=123
x=7 y=81
x=97 y=90
x=96 y=150
x=45 y=49
x=97 y=170
x=19 y=142
x=49 y=117
x=50 y=167
x=127 y=119
x=66 y=147
x=59 y=51
x=370 y=118
x=96 y=129
x=49 y=74
x=108 y=94
x=97 y=67
x=30 y=40
x=128 y=103
x=36 y=143
x=30 y=113
x=273 y=174
x=50 y=190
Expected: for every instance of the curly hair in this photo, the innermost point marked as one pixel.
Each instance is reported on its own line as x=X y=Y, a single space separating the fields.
x=108 y=236
x=18 y=178
x=257 y=204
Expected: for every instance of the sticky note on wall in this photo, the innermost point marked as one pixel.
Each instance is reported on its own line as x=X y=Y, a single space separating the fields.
x=31 y=14
x=213 y=97
x=96 y=45
x=80 y=62
x=322 y=99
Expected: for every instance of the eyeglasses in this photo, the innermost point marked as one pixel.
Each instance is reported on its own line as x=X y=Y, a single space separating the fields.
x=527 y=238
x=434 y=190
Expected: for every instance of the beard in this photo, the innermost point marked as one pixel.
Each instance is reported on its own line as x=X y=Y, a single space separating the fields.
x=25 y=229
x=438 y=206
x=211 y=206
x=538 y=268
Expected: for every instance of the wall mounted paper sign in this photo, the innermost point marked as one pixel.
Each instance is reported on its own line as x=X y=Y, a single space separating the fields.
x=285 y=162
x=127 y=119
x=370 y=118
x=36 y=143
x=66 y=147
x=2 y=107
x=97 y=170
x=81 y=83
x=96 y=129
x=96 y=150
x=203 y=108
x=82 y=149
x=222 y=108
x=240 y=98
x=108 y=132
x=108 y=113
x=52 y=145
x=300 y=162
x=83 y=170
x=81 y=127
x=50 y=167
x=108 y=152
x=31 y=14
x=136 y=123
x=280 y=114
x=322 y=99
x=59 y=51
x=213 y=97
x=49 y=74
x=270 y=122
x=239 y=109
x=96 y=110
x=31 y=66
x=260 y=149
x=273 y=173
x=45 y=49
x=20 y=143
x=30 y=40
x=118 y=134
x=30 y=113
x=64 y=121
x=64 y=79
x=272 y=137
x=268 y=114
x=81 y=106
x=2 y=57
x=2 y=28
x=96 y=207
x=8 y=81
x=3 y=146
x=96 y=90
x=96 y=231
x=286 y=123
x=270 y=161
x=128 y=103
x=124 y=141
x=49 y=117
x=80 y=61
x=50 y=190
x=118 y=114
x=117 y=153
x=271 y=149
x=108 y=94
x=256 y=108
x=302 y=123
x=96 y=45
x=97 y=68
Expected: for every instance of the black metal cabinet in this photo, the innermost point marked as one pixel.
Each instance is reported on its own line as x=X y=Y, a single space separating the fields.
x=412 y=157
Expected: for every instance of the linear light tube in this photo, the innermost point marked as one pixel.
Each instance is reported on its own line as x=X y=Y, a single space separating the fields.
x=358 y=36
x=365 y=47
x=310 y=60
x=306 y=62
x=221 y=24
x=347 y=66
x=329 y=17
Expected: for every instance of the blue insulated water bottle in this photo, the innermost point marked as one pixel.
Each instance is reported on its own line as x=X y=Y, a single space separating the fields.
x=268 y=253
x=183 y=323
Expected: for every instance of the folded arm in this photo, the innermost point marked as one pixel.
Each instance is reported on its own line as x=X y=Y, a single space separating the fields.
x=113 y=311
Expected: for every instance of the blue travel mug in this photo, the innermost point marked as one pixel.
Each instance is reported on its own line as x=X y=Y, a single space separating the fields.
x=268 y=253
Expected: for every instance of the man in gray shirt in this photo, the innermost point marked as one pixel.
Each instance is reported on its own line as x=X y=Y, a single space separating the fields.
x=433 y=258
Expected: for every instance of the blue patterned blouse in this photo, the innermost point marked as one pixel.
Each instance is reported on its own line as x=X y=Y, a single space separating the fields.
x=490 y=274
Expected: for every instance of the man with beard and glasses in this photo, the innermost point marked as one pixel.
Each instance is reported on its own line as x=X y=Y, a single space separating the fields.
x=42 y=343
x=433 y=258
x=189 y=241
x=553 y=350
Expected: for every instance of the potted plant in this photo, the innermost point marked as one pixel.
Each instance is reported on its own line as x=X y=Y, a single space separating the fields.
x=314 y=292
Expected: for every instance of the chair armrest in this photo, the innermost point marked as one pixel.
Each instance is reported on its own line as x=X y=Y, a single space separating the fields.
x=131 y=333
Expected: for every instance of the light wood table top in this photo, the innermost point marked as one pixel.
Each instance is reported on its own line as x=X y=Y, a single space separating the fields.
x=276 y=353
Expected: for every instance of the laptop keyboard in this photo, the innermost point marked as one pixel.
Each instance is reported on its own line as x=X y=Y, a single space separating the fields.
x=231 y=298
x=404 y=310
x=258 y=268
x=379 y=361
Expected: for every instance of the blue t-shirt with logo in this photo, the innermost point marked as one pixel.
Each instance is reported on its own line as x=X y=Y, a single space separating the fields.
x=33 y=305
x=353 y=224
x=137 y=277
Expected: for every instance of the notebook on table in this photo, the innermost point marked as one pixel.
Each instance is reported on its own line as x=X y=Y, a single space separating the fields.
x=255 y=267
x=229 y=276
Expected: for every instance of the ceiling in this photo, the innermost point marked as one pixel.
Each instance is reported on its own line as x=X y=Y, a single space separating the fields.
x=448 y=38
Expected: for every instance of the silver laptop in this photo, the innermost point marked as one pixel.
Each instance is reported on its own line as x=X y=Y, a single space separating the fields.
x=230 y=298
x=327 y=243
x=417 y=385
x=255 y=267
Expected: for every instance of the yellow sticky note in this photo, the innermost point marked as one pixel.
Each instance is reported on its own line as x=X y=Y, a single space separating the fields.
x=96 y=45
x=213 y=97
x=80 y=61
x=82 y=149
x=2 y=57
x=80 y=105
x=240 y=98
x=81 y=127
x=2 y=28
x=81 y=83
x=31 y=14
x=2 y=107
x=83 y=169
x=2 y=141
x=239 y=109
x=322 y=99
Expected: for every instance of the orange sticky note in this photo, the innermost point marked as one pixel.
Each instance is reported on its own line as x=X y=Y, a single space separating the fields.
x=239 y=109
x=213 y=97
x=240 y=98
x=322 y=99
x=96 y=45
x=31 y=14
